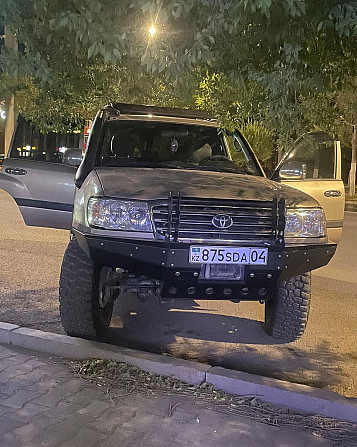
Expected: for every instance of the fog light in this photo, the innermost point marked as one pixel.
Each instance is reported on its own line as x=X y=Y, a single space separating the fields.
x=172 y=290
x=209 y=291
x=227 y=292
x=244 y=291
x=191 y=291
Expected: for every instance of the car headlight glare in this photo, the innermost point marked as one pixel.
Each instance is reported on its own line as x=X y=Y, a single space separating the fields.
x=114 y=214
x=305 y=223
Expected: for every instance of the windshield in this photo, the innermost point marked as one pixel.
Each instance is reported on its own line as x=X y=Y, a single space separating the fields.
x=175 y=146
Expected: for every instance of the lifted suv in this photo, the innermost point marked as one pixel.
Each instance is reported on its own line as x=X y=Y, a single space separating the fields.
x=168 y=205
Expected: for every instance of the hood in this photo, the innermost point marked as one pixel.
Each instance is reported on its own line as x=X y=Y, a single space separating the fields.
x=156 y=183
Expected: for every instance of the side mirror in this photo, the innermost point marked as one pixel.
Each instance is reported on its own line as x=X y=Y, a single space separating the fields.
x=292 y=170
x=72 y=157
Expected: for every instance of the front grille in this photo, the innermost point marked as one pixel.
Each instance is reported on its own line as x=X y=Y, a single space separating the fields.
x=191 y=218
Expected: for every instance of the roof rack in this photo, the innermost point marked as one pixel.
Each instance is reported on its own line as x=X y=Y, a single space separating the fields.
x=133 y=109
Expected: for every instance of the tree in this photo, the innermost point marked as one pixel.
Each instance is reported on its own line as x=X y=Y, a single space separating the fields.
x=281 y=50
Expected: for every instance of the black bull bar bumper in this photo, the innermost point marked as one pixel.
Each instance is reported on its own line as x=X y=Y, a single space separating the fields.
x=181 y=279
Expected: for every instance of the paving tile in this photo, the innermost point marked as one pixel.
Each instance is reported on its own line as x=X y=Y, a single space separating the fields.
x=61 y=370
x=160 y=406
x=61 y=432
x=8 y=374
x=7 y=424
x=86 y=396
x=26 y=433
x=32 y=364
x=125 y=438
x=19 y=399
x=4 y=409
x=158 y=440
x=112 y=419
x=19 y=358
x=27 y=379
x=298 y=438
x=8 y=362
x=143 y=419
x=10 y=440
x=183 y=417
x=30 y=410
x=9 y=388
x=95 y=409
x=43 y=405
x=60 y=411
x=86 y=437
x=5 y=352
x=58 y=393
x=45 y=383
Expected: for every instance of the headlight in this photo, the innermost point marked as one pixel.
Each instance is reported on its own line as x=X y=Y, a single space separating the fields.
x=305 y=223
x=118 y=214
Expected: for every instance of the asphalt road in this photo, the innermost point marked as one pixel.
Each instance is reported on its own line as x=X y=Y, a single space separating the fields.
x=220 y=333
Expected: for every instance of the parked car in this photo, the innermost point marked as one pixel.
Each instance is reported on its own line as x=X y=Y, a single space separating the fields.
x=168 y=205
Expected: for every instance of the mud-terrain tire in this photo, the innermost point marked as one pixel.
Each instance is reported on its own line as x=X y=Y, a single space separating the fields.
x=287 y=313
x=81 y=314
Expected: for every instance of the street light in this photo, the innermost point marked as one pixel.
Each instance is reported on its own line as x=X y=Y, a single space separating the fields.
x=152 y=30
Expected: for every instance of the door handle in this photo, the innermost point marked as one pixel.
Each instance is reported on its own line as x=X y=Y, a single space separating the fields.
x=332 y=193
x=15 y=171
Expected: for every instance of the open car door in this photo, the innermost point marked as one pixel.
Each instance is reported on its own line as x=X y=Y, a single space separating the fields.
x=313 y=166
x=36 y=177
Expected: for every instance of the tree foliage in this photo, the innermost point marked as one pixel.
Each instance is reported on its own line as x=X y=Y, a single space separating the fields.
x=267 y=61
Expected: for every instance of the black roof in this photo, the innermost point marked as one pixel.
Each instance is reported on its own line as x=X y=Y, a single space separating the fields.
x=134 y=109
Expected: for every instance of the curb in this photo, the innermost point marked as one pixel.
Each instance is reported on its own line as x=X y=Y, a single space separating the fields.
x=295 y=396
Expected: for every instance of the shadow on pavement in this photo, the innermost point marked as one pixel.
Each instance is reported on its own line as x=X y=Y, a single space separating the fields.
x=186 y=330
x=163 y=322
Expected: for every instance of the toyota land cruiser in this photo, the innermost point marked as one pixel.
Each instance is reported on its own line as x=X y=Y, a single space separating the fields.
x=168 y=205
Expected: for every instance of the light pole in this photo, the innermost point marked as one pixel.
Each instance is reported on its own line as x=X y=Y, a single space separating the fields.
x=353 y=168
x=10 y=42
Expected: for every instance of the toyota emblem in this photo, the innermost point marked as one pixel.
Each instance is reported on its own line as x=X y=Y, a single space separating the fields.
x=222 y=221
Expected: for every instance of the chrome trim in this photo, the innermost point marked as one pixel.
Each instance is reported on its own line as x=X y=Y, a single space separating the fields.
x=196 y=214
x=333 y=193
x=251 y=242
x=134 y=235
x=293 y=241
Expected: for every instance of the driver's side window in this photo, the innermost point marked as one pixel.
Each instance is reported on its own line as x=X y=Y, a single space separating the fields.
x=30 y=144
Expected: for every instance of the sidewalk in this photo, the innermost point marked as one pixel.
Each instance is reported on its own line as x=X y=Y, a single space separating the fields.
x=43 y=404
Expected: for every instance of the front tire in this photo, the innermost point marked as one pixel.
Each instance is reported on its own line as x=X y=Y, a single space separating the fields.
x=287 y=313
x=83 y=311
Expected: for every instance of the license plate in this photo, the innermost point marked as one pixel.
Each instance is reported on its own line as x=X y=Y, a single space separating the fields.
x=228 y=255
